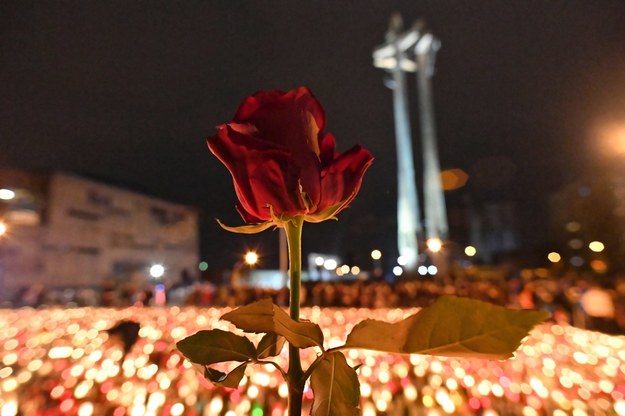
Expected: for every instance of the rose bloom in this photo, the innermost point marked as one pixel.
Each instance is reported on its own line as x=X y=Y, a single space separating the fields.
x=282 y=162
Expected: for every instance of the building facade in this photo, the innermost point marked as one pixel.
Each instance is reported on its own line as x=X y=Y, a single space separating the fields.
x=585 y=211
x=63 y=230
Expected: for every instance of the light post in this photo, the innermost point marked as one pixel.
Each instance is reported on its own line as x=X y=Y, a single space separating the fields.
x=7 y=194
x=250 y=258
x=3 y=230
x=470 y=251
x=434 y=244
x=438 y=255
x=157 y=271
x=376 y=257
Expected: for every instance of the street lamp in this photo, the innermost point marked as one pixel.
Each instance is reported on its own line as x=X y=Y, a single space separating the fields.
x=554 y=257
x=596 y=246
x=3 y=229
x=251 y=258
x=470 y=251
x=157 y=271
x=330 y=264
x=7 y=194
x=434 y=244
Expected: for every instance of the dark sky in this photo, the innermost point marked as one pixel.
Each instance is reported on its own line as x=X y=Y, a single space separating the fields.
x=128 y=91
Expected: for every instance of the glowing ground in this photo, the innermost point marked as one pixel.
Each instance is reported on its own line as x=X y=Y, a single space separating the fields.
x=62 y=361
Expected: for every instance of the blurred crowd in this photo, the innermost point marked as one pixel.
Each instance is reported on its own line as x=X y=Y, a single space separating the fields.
x=582 y=302
x=585 y=302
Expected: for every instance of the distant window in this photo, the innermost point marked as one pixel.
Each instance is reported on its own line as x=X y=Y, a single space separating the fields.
x=122 y=240
x=159 y=214
x=98 y=198
x=119 y=212
x=83 y=215
x=92 y=251
x=165 y=217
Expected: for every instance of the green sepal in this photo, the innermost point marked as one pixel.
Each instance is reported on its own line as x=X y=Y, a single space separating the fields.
x=247 y=229
x=330 y=212
x=326 y=214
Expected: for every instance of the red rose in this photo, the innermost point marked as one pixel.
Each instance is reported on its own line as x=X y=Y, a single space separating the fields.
x=282 y=162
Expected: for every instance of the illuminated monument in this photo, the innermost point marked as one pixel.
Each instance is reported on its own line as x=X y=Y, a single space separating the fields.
x=413 y=50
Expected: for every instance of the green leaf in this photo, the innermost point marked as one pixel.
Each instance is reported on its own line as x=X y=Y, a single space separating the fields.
x=335 y=387
x=231 y=380
x=247 y=229
x=216 y=346
x=451 y=327
x=264 y=316
x=270 y=345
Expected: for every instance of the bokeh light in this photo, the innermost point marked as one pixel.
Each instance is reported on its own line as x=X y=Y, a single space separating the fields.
x=596 y=246
x=6 y=194
x=452 y=179
x=157 y=271
x=434 y=245
x=251 y=258
x=329 y=264
x=554 y=257
x=376 y=254
x=65 y=362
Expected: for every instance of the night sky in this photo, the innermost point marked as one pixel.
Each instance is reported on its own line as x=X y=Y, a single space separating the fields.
x=128 y=92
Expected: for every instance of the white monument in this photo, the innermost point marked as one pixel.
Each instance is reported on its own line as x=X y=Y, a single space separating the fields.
x=413 y=51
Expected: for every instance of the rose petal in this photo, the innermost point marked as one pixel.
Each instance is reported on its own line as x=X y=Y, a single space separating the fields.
x=328 y=145
x=340 y=181
x=242 y=160
x=293 y=121
x=282 y=163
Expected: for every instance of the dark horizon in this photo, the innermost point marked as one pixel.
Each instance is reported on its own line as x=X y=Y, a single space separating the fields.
x=129 y=92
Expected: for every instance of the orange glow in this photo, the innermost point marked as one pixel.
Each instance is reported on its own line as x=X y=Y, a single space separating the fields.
x=554 y=257
x=612 y=138
x=452 y=179
x=434 y=245
x=599 y=266
x=561 y=364
x=251 y=258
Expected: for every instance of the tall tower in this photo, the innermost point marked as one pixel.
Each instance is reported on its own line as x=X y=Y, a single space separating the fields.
x=414 y=50
x=436 y=225
x=391 y=56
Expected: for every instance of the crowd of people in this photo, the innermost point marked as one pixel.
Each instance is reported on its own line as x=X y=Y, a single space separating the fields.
x=586 y=302
x=596 y=303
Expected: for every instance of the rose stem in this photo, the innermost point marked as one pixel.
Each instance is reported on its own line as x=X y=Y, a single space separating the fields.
x=293 y=230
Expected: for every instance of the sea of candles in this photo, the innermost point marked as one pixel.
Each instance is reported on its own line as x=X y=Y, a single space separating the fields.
x=63 y=361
